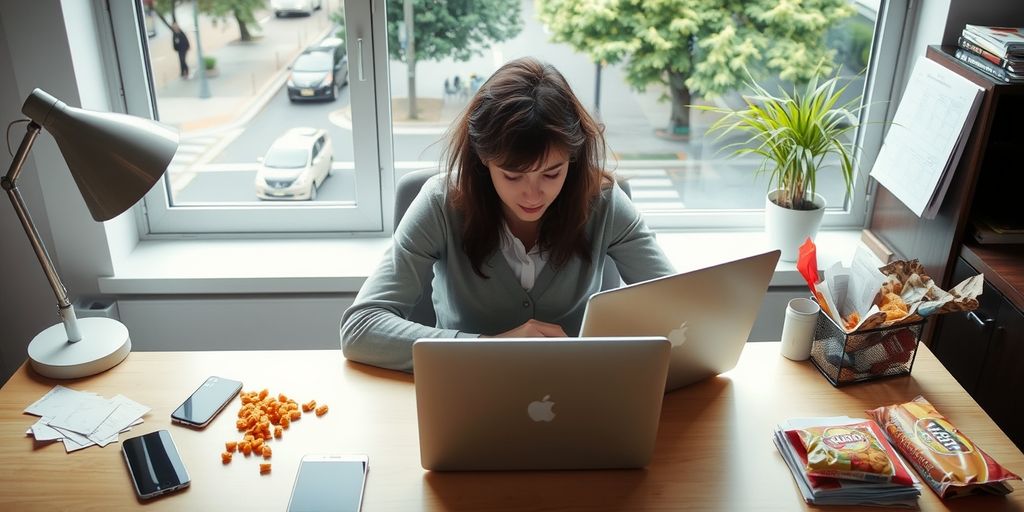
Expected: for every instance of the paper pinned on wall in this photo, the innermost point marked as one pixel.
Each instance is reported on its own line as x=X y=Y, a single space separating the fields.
x=927 y=136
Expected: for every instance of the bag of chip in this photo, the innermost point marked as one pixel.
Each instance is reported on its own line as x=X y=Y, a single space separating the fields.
x=949 y=462
x=854 y=451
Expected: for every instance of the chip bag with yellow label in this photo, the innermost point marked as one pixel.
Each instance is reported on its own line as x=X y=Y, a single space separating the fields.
x=948 y=460
x=855 y=451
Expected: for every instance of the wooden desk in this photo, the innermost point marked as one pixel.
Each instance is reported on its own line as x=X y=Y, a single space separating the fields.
x=714 y=449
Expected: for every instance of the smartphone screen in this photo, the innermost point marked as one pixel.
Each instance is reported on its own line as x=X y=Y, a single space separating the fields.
x=327 y=483
x=154 y=464
x=200 y=408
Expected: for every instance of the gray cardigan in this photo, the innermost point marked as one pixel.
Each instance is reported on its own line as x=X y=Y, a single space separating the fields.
x=429 y=241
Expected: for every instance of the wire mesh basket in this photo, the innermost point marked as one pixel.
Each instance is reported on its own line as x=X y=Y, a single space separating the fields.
x=863 y=355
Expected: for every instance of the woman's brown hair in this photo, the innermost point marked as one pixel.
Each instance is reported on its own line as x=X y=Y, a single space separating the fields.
x=522 y=112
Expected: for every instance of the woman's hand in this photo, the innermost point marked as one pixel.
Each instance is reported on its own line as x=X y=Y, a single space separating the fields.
x=534 y=329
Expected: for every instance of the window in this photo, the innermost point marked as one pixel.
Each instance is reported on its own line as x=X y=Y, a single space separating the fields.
x=243 y=89
x=342 y=67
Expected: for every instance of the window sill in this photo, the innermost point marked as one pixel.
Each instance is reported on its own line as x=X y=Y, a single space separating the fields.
x=175 y=267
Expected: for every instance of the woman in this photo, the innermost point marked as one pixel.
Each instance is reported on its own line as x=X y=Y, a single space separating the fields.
x=517 y=235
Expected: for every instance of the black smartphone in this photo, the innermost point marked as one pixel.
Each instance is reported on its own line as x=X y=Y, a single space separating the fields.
x=204 y=403
x=329 y=483
x=154 y=464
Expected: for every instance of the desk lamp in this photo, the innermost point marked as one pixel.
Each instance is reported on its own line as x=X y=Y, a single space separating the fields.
x=115 y=159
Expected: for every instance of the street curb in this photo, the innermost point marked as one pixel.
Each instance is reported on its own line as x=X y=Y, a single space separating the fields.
x=260 y=99
x=342 y=118
x=234 y=129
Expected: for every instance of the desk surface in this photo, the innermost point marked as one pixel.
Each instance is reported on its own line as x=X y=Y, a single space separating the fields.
x=714 y=448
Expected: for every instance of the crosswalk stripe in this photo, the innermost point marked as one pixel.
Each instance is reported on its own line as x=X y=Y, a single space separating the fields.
x=191 y=148
x=641 y=172
x=650 y=182
x=678 y=205
x=654 y=194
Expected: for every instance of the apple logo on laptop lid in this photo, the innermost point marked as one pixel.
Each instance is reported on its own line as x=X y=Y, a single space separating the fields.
x=540 y=410
x=678 y=335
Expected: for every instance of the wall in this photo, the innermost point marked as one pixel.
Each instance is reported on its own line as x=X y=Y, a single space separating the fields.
x=233 y=322
x=27 y=305
x=76 y=243
x=37 y=50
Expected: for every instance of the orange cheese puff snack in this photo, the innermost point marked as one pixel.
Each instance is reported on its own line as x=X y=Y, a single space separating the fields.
x=320 y=411
x=245 y=447
x=295 y=415
x=225 y=457
x=267 y=452
x=946 y=459
x=278 y=431
x=231 y=446
x=309 y=406
x=851 y=321
x=264 y=468
x=894 y=307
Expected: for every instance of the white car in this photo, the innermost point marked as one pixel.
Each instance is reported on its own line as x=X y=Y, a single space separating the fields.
x=295 y=166
x=290 y=7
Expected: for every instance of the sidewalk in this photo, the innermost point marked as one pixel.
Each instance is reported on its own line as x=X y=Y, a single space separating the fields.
x=246 y=74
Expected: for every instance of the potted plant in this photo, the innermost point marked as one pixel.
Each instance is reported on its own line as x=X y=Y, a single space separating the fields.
x=796 y=135
x=210 y=65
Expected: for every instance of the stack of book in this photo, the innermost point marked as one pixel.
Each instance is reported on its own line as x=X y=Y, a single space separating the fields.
x=996 y=51
x=892 y=486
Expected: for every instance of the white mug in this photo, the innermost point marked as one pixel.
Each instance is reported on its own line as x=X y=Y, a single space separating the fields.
x=798 y=328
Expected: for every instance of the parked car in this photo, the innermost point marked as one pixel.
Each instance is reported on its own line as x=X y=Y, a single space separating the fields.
x=295 y=166
x=290 y=7
x=319 y=72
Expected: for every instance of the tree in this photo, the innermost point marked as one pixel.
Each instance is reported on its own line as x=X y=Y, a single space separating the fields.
x=241 y=10
x=163 y=8
x=703 y=47
x=455 y=29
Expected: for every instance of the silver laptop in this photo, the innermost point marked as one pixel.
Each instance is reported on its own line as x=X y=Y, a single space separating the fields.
x=538 y=403
x=706 y=314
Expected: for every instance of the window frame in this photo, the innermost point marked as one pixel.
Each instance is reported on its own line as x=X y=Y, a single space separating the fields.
x=157 y=219
x=376 y=168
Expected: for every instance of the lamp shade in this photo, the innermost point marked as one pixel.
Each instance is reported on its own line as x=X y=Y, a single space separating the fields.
x=114 y=158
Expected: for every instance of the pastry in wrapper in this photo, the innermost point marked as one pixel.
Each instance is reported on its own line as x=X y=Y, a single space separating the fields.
x=946 y=459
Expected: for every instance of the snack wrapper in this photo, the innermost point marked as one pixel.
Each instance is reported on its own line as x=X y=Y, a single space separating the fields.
x=946 y=459
x=856 y=451
x=900 y=292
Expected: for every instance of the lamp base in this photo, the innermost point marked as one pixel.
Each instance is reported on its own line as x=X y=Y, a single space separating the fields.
x=105 y=343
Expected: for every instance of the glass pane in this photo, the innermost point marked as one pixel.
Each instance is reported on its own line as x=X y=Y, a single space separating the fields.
x=671 y=169
x=265 y=121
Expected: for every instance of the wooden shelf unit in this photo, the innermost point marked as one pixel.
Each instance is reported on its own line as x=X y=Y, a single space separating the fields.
x=936 y=242
x=982 y=349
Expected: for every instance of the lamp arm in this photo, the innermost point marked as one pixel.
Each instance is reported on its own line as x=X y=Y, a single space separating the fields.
x=65 y=309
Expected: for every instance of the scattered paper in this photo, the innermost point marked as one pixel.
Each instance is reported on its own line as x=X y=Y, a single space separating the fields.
x=126 y=412
x=81 y=419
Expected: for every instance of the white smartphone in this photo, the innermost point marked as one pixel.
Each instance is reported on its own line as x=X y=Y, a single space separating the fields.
x=329 y=483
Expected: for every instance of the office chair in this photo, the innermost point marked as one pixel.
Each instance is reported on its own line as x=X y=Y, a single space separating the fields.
x=405 y=191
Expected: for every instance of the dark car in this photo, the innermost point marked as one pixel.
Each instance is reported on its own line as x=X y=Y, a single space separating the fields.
x=320 y=72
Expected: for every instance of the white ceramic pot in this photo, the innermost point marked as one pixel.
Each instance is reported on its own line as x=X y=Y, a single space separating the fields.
x=787 y=229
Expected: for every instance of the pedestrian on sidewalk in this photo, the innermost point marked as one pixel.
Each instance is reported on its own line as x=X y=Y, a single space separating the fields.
x=181 y=46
